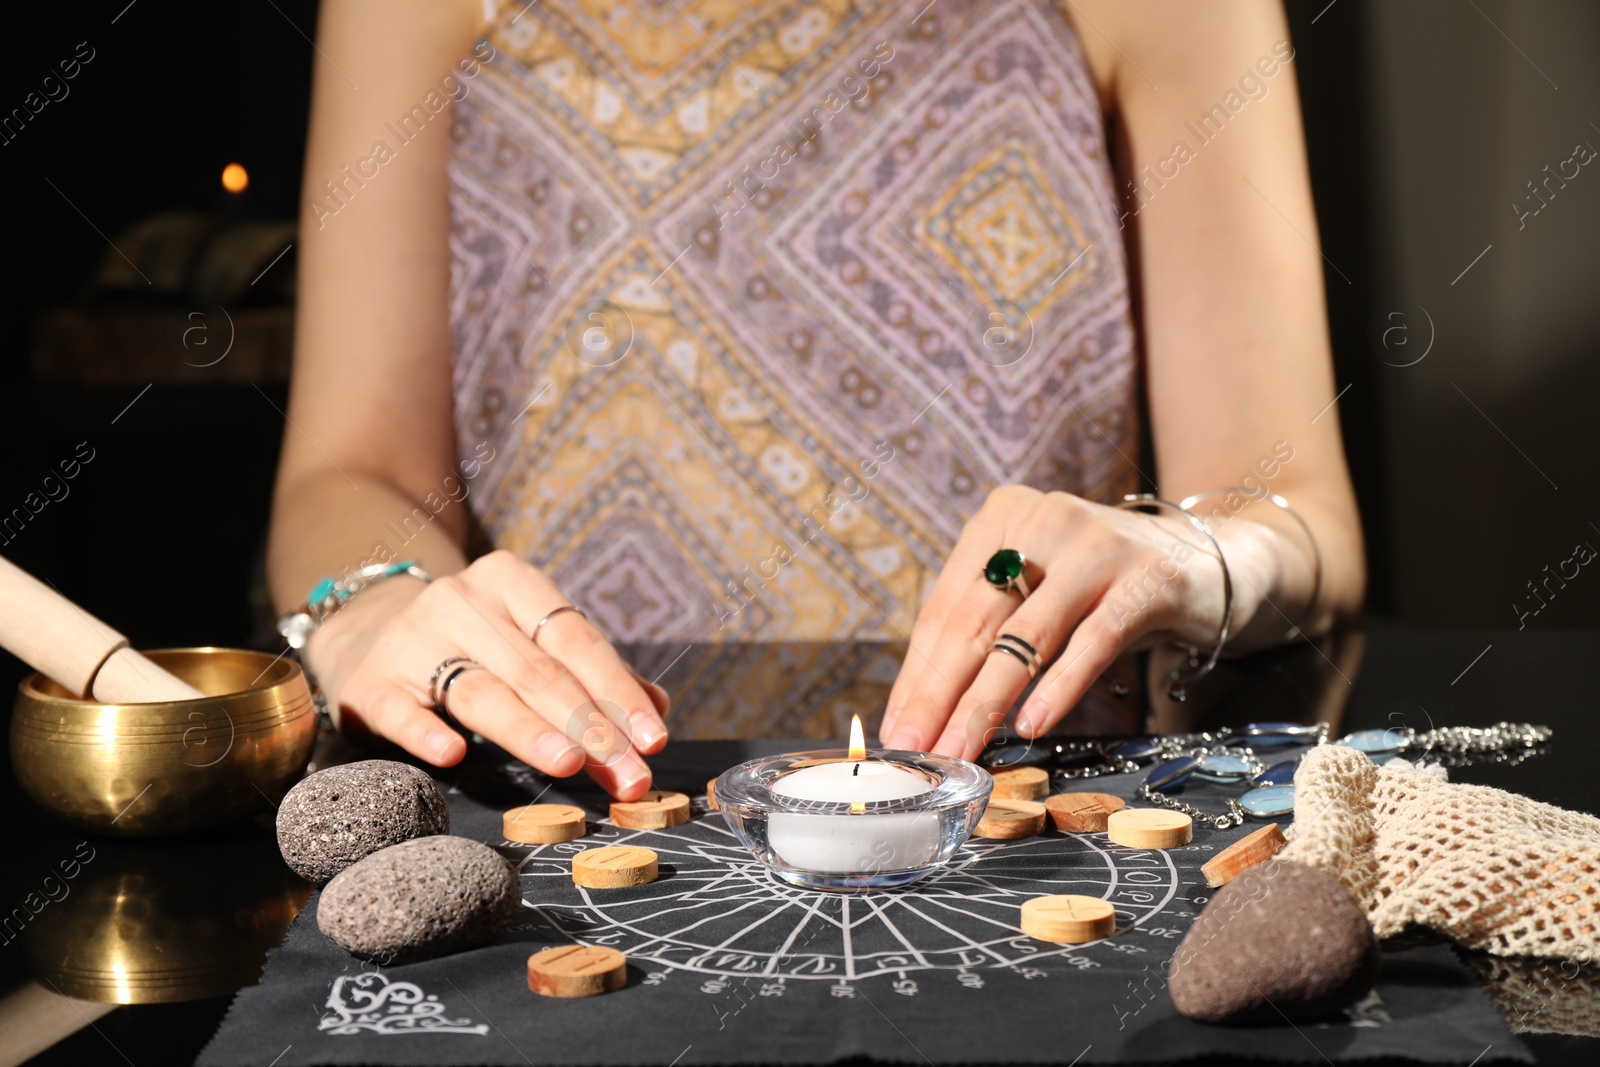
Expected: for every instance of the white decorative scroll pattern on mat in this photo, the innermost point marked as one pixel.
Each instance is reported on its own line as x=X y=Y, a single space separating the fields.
x=373 y=1003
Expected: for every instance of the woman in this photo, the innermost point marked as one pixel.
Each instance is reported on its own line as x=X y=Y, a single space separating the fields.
x=719 y=320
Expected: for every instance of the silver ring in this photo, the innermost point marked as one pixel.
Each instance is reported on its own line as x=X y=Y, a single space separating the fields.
x=1032 y=653
x=540 y=624
x=438 y=672
x=1021 y=656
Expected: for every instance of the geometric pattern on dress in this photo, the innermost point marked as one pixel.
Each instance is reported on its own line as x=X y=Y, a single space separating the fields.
x=765 y=413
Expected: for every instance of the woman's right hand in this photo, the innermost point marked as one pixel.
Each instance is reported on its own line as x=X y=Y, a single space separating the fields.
x=564 y=703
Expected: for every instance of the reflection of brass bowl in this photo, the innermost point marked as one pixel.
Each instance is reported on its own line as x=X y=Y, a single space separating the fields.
x=137 y=770
x=150 y=922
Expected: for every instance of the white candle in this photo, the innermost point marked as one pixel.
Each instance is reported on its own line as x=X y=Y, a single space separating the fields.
x=854 y=844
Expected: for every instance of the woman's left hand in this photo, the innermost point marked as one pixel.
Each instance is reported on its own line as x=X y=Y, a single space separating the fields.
x=1102 y=580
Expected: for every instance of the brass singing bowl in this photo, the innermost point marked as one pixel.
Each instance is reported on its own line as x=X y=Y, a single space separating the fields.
x=151 y=922
x=141 y=770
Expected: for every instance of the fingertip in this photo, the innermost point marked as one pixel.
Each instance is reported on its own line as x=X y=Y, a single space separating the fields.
x=887 y=726
x=951 y=746
x=626 y=779
x=907 y=738
x=1038 y=718
x=647 y=731
x=558 y=756
x=443 y=747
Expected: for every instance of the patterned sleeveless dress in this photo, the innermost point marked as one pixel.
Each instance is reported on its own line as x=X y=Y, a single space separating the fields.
x=756 y=301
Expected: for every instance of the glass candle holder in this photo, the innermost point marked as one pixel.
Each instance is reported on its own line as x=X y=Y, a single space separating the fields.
x=825 y=820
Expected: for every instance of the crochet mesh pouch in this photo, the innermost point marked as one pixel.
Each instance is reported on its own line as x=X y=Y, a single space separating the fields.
x=1543 y=996
x=1488 y=869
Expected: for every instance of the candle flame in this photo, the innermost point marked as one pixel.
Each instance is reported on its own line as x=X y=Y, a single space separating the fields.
x=858 y=740
x=235 y=178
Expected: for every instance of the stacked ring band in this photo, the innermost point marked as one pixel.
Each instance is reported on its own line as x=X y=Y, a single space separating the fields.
x=435 y=696
x=1025 y=653
x=441 y=680
x=449 y=679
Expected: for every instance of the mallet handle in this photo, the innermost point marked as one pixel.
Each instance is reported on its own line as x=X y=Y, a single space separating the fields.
x=63 y=642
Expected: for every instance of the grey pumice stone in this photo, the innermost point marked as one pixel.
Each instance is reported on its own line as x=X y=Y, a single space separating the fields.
x=340 y=815
x=1281 y=940
x=419 y=899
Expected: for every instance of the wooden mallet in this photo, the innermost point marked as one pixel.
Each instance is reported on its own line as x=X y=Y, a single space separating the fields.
x=76 y=650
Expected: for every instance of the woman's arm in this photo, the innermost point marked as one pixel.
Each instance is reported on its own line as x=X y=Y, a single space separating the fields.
x=1231 y=275
x=370 y=440
x=369 y=431
x=1239 y=376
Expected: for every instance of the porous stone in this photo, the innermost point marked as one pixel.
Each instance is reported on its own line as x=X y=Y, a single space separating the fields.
x=340 y=815
x=1281 y=937
x=419 y=899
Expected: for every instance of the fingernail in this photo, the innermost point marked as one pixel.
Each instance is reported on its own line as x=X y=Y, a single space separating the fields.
x=555 y=748
x=646 y=729
x=888 y=720
x=631 y=772
x=1028 y=719
x=949 y=746
x=441 y=742
x=906 y=737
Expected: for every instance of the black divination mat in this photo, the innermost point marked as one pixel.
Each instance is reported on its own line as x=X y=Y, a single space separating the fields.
x=729 y=966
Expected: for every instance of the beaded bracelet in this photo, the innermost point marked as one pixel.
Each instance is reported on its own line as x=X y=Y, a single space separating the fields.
x=322 y=603
x=331 y=594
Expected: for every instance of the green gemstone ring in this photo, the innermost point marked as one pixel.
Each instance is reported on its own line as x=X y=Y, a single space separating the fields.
x=1005 y=570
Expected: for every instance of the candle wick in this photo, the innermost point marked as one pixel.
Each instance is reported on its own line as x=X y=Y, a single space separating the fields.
x=856 y=772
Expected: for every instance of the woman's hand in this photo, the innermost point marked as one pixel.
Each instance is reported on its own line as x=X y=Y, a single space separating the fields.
x=562 y=703
x=1103 y=580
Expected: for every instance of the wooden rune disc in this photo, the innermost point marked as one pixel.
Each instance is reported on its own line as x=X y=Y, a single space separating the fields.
x=1006 y=819
x=1068 y=919
x=614 y=867
x=577 y=971
x=656 y=810
x=544 y=824
x=1150 y=828
x=1082 y=813
x=1022 y=783
x=711 y=794
x=1243 y=854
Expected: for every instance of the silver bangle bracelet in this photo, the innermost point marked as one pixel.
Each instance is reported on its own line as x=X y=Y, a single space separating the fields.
x=1178 y=683
x=1316 y=551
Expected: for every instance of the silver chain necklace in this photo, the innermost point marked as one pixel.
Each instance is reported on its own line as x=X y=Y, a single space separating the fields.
x=1453 y=746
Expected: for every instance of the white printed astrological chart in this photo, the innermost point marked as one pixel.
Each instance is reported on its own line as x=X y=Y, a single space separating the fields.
x=717 y=911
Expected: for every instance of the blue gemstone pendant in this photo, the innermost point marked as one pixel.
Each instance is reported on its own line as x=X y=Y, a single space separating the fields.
x=1277 y=774
x=1274 y=735
x=1010 y=753
x=1174 y=772
x=1138 y=748
x=1224 y=767
x=1269 y=802
x=1379 y=745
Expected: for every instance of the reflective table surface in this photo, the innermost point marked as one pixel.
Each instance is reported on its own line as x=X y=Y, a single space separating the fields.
x=170 y=928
